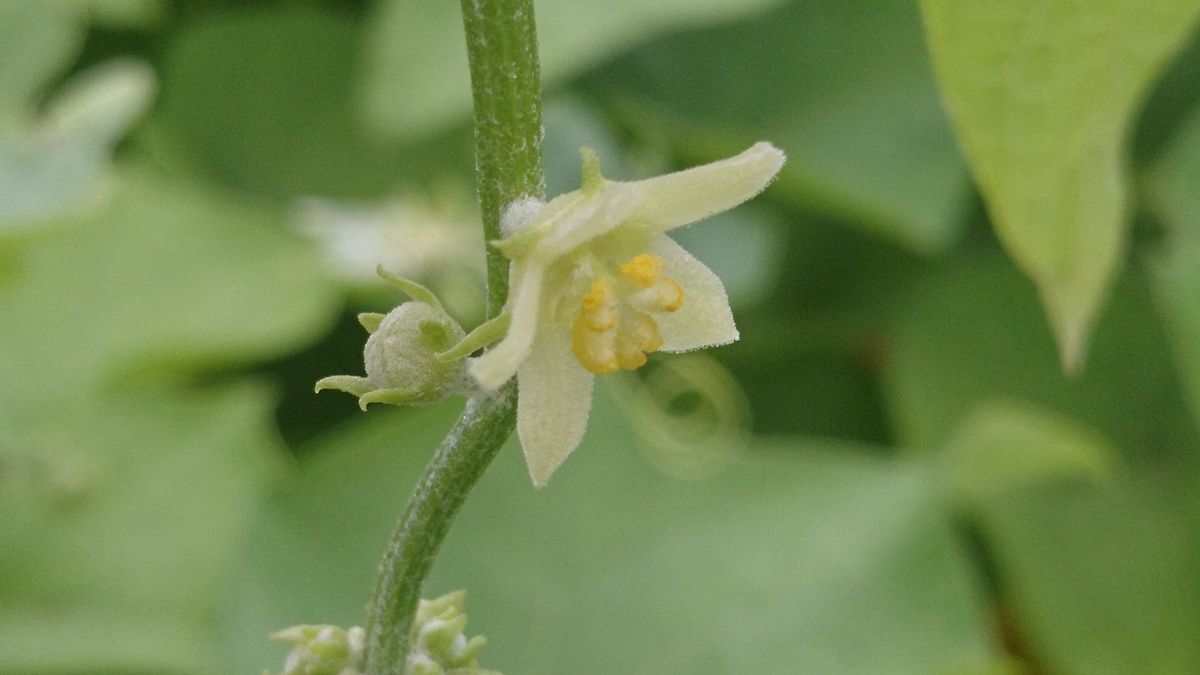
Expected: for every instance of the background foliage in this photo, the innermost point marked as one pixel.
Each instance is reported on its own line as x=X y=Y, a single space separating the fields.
x=890 y=473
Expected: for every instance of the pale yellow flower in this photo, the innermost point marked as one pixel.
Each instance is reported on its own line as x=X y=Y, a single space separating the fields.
x=595 y=285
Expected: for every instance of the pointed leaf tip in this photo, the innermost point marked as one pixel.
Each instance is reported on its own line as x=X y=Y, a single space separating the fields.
x=1048 y=151
x=1071 y=313
x=1071 y=334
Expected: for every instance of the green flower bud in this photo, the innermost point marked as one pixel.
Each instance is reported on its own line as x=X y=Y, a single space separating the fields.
x=322 y=650
x=400 y=354
x=438 y=645
x=404 y=355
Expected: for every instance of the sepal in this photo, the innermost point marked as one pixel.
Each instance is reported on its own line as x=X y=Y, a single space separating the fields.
x=351 y=384
x=371 y=320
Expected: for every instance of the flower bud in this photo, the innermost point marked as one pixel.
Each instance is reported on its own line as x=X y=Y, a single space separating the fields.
x=400 y=354
x=401 y=358
x=322 y=650
x=438 y=644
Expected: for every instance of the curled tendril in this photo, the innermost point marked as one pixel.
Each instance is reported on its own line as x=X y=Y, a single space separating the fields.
x=690 y=414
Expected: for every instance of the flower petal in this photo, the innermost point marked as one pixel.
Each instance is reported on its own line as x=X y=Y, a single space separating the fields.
x=552 y=408
x=585 y=217
x=704 y=319
x=684 y=197
x=500 y=363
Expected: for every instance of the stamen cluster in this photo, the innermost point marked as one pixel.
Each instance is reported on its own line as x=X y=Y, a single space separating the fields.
x=615 y=327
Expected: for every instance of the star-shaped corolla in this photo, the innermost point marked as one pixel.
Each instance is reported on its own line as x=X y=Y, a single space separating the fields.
x=595 y=285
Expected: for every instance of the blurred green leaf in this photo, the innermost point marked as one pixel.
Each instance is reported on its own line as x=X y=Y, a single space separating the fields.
x=37 y=41
x=416 y=79
x=803 y=558
x=51 y=167
x=844 y=88
x=165 y=274
x=121 y=516
x=1177 y=285
x=98 y=105
x=54 y=156
x=127 y=13
x=1042 y=95
x=264 y=100
x=1168 y=105
x=1099 y=581
x=1175 y=264
x=972 y=332
x=313 y=550
x=807 y=378
x=1002 y=445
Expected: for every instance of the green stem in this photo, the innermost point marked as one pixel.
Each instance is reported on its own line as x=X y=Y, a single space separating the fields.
x=502 y=47
x=459 y=462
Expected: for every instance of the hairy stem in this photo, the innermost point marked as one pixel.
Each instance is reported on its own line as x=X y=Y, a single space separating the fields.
x=460 y=461
x=502 y=46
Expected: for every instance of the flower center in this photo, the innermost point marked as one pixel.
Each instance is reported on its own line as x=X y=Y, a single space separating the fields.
x=614 y=327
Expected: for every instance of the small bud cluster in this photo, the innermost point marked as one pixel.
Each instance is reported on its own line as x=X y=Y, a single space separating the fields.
x=437 y=643
x=322 y=650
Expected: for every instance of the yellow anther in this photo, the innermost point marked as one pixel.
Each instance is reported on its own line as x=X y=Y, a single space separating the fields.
x=597 y=296
x=643 y=270
x=665 y=295
x=595 y=350
x=615 y=329
x=598 y=308
x=637 y=336
x=631 y=359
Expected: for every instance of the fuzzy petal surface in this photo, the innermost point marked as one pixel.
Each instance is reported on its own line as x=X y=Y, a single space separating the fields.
x=704 y=319
x=552 y=410
x=500 y=363
x=684 y=197
x=586 y=217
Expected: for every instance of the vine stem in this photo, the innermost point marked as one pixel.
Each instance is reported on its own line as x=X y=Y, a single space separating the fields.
x=505 y=79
